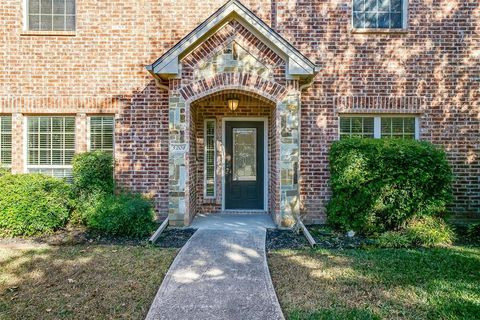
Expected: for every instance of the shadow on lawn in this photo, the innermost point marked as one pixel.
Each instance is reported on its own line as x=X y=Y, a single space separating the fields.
x=80 y=282
x=442 y=283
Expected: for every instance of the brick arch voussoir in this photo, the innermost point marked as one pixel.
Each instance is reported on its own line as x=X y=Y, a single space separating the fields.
x=267 y=89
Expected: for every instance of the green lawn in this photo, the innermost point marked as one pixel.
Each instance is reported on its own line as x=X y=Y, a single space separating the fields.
x=81 y=281
x=441 y=283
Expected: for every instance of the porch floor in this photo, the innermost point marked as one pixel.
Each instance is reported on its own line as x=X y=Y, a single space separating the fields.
x=233 y=221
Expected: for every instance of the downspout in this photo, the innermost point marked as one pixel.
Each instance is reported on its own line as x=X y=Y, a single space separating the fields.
x=165 y=222
x=306 y=85
x=299 y=223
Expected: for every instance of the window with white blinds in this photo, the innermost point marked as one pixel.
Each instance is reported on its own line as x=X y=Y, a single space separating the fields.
x=5 y=140
x=51 y=15
x=50 y=145
x=398 y=127
x=357 y=127
x=389 y=126
x=210 y=154
x=102 y=132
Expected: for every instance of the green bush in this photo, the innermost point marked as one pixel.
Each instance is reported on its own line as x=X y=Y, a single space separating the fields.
x=380 y=184
x=93 y=172
x=4 y=171
x=473 y=232
x=420 y=232
x=125 y=214
x=393 y=239
x=429 y=232
x=32 y=204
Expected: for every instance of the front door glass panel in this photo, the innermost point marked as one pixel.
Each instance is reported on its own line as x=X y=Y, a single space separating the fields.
x=244 y=154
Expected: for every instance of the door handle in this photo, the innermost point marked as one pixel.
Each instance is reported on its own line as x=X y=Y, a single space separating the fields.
x=228 y=164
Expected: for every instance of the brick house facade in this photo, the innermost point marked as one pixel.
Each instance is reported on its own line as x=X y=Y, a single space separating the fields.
x=162 y=69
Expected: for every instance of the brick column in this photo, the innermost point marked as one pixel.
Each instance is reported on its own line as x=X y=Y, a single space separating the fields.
x=81 y=134
x=18 y=155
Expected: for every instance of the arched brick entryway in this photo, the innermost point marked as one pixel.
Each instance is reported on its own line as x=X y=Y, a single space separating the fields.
x=233 y=51
x=188 y=108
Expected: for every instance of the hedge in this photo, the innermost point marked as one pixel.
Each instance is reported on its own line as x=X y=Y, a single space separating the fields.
x=32 y=204
x=125 y=214
x=380 y=184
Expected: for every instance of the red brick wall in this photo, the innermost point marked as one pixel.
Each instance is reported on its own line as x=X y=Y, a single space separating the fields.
x=101 y=69
x=141 y=145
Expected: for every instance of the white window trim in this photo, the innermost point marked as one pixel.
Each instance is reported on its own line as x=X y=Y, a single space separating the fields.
x=27 y=166
x=377 y=122
x=205 y=196
x=89 y=140
x=404 y=27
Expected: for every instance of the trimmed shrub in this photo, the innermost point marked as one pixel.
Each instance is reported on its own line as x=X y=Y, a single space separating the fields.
x=32 y=204
x=125 y=214
x=380 y=184
x=393 y=239
x=429 y=232
x=93 y=172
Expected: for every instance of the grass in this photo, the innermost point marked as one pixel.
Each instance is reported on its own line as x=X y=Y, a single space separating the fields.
x=440 y=283
x=81 y=281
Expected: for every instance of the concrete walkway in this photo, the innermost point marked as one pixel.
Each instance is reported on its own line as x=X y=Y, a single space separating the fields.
x=220 y=273
x=233 y=221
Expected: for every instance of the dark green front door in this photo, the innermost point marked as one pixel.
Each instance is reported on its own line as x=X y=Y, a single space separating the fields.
x=244 y=170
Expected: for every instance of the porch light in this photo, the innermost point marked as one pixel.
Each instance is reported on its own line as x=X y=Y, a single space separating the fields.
x=233 y=104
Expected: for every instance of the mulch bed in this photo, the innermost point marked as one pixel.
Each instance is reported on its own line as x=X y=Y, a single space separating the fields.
x=329 y=239
x=78 y=235
x=174 y=237
x=285 y=239
x=325 y=238
x=170 y=238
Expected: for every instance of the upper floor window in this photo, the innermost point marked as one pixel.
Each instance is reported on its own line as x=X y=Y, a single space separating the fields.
x=51 y=15
x=378 y=14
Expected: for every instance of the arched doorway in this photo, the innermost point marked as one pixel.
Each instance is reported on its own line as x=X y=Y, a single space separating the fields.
x=234 y=152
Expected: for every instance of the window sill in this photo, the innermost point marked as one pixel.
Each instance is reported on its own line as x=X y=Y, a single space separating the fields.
x=379 y=31
x=49 y=33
